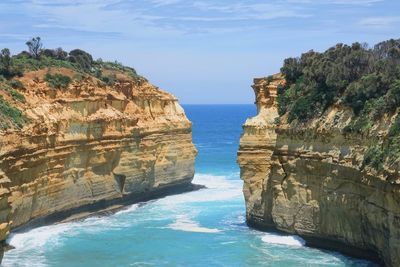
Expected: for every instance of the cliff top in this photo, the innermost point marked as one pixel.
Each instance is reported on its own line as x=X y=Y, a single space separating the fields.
x=353 y=90
x=366 y=80
x=43 y=78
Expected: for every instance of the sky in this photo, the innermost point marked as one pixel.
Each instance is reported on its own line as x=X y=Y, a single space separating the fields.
x=202 y=51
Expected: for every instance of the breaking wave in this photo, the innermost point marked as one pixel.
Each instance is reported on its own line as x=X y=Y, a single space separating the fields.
x=186 y=224
x=283 y=240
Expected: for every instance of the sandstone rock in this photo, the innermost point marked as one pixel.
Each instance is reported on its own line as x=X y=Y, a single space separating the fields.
x=307 y=180
x=91 y=144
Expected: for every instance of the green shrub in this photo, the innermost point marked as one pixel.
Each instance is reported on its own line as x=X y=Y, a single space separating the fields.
x=118 y=67
x=98 y=73
x=395 y=128
x=57 y=53
x=291 y=69
x=393 y=150
x=378 y=108
x=8 y=69
x=389 y=152
x=60 y=54
x=10 y=112
x=283 y=99
x=5 y=62
x=16 y=84
x=368 y=87
x=82 y=58
x=25 y=63
x=374 y=157
x=48 y=53
x=17 y=96
x=359 y=125
x=109 y=80
x=392 y=98
x=301 y=110
x=57 y=80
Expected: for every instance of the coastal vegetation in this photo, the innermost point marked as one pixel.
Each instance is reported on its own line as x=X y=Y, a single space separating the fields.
x=9 y=114
x=37 y=57
x=57 y=80
x=358 y=76
x=365 y=79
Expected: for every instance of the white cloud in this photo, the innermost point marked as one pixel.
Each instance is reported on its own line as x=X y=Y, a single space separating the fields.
x=380 y=22
x=250 y=11
x=143 y=18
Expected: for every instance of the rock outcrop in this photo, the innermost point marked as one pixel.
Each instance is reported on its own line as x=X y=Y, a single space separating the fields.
x=308 y=179
x=90 y=146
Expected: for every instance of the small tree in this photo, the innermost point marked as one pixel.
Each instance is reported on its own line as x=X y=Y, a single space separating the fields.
x=5 y=60
x=291 y=69
x=35 y=47
x=82 y=58
x=60 y=54
x=48 y=53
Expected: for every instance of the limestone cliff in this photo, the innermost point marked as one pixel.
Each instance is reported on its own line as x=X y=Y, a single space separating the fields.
x=90 y=144
x=308 y=179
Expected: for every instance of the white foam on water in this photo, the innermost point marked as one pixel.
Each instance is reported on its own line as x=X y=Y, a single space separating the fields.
x=30 y=245
x=128 y=209
x=186 y=224
x=283 y=240
x=37 y=237
x=219 y=188
x=228 y=242
x=33 y=243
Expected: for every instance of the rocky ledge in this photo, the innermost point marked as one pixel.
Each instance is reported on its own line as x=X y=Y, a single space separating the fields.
x=307 y=179
x=88 y=146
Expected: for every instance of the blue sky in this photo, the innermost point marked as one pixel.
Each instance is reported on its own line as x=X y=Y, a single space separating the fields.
x=205 y=51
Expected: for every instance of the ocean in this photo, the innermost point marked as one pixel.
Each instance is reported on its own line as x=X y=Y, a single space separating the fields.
x=201 y=228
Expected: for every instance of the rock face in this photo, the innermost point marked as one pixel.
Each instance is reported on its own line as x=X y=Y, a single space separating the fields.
x=308 y=180
x=91 y=144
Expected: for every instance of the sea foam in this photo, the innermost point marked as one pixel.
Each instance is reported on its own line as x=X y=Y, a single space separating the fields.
x=30 y=246
x=128 y=209
x=283 y=240
x=218 y=188
x=35 y=242
x=186 y=224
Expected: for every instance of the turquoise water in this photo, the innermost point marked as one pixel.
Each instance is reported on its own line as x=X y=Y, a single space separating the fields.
x=202 y=228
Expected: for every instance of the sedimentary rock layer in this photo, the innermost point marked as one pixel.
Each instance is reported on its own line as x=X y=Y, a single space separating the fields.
x=91 y=143
x=308 y=180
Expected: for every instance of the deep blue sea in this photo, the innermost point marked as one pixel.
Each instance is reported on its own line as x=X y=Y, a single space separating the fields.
x=202 y=228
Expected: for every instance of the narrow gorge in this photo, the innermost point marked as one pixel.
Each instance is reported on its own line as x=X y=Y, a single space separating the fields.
x=311 y=179
x=90 y=144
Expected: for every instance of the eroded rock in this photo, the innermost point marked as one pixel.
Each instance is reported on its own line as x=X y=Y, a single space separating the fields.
x=308 y=180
